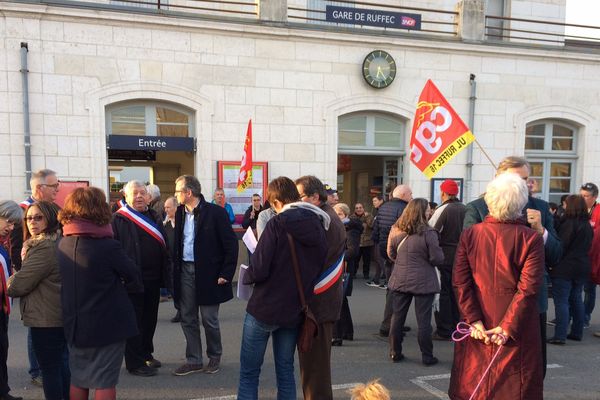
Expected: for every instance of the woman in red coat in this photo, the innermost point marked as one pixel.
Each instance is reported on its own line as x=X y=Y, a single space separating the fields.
x=497 y=274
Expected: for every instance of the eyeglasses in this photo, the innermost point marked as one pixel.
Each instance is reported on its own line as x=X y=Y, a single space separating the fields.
x=590 y=187
x=36 y=218
x=53 y=186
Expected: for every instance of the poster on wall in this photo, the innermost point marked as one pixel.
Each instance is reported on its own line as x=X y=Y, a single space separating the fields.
x=227 y=178
x=436 y=193
x=67 y=187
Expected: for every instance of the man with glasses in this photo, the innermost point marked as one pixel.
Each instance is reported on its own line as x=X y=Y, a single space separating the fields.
x=589 y=192
x=538 y=217
x=205 y=259
x=44 y=186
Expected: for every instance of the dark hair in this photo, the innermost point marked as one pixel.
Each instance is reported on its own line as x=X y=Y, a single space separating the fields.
x=282 y=189
x=50 y=212
x=380 y=197
x=563 y=198
x=256 y=195
x=311 y=185
x=433 y=205
x=413 y=219
x=576 y=207
x=590 y=187
x=553 y=206
x=191 y=182
x=86 y=203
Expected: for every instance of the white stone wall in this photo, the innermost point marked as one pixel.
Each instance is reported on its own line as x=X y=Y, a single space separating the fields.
x=293 y=84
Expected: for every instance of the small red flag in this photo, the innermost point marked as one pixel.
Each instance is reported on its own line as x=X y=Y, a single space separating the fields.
x=245 y=176
x=438 y=132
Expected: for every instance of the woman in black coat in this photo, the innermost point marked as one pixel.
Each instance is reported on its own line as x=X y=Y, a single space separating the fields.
x=572 y=271
x=343 y=328
x=97 y=314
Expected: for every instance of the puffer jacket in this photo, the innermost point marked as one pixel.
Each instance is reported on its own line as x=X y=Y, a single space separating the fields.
x=414 y=263
x=388 y=214
x=38 y=283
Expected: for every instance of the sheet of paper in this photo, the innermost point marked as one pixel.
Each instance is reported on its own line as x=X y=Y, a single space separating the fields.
x=250 y=240
x=243 y=291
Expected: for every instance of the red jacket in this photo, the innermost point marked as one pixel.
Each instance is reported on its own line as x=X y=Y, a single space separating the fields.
x=497 y=274
x=595 y=250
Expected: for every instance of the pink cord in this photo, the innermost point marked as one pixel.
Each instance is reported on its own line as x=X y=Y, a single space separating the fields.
x=463 y=331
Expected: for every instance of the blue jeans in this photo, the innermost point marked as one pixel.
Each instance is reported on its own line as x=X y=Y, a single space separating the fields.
x=567 y=304
x=34 y=366
x=254 y=344
x=50 y=347
x=589 y=301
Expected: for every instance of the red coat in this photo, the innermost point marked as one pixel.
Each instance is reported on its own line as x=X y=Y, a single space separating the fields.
x=497 y=274
x=595 y=250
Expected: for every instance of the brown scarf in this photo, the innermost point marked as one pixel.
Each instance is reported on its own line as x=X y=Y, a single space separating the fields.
x=85 y=227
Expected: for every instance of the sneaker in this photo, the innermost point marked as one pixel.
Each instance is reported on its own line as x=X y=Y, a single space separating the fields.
x=144 y=371
x=382 y=286
x=187 y=369
x=371 y=283
x=586 y=325
x=597 y=334
x=37 y=381
x=153 y=363
x=213 y=366
x=551 y=323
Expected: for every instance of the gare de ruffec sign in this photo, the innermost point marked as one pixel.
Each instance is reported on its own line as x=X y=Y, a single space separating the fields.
x=386 y=19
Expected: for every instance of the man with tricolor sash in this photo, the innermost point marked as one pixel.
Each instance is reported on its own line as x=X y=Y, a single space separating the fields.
x=315 y=365
x=140 y=231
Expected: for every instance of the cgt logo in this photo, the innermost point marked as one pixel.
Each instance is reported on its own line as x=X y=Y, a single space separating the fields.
x=408 y=21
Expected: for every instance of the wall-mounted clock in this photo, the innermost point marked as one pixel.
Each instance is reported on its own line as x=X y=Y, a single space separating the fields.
x=379 y=69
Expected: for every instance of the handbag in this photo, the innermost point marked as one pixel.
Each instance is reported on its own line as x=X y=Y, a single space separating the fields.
x=309 y=329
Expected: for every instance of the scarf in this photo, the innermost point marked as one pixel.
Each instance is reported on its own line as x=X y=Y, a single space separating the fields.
x=85 y=227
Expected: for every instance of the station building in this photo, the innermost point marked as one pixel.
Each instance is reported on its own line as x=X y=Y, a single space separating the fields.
x=102 y=91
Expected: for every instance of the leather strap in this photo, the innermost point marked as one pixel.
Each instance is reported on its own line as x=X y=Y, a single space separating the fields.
x=296 y=270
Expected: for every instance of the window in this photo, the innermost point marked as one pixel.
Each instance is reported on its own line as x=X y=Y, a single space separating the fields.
x=550 y=149
x=149 y=119
x=371 y=132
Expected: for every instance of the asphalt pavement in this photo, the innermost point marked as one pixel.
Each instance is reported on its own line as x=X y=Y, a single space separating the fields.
x=573 y=373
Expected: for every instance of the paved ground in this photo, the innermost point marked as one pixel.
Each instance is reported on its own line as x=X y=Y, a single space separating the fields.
x=574 y=374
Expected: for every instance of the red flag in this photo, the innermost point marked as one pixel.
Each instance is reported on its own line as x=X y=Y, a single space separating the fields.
x=438 y=132
x=245 y=176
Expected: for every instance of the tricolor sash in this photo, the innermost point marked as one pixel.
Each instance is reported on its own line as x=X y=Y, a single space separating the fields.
x=26 y=203
x=142 y=222
x=121 y=203
x=329 y=276
x=4 y=272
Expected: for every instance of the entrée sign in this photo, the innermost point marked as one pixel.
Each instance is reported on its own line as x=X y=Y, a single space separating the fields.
x=386 y=19
x=126 y=142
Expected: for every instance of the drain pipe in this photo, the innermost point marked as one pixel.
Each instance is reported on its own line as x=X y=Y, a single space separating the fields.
x=469 y=177
x=26 y=129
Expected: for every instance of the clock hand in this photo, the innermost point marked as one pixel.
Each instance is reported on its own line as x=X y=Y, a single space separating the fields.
x=380 y=72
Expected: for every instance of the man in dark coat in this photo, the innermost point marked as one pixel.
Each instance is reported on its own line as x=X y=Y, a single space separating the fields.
x=206 y=251
x=315 y=365
x=539 y=218
x=447 y=220
x=387 y=215
x=140 y=231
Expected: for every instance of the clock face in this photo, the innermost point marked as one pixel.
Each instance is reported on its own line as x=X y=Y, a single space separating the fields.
x=379 y=69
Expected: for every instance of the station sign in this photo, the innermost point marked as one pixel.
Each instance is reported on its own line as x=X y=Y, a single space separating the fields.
x=157 y=143
x=370 y=17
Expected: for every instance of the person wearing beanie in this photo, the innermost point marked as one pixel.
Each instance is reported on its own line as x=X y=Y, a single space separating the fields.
x=448 y=221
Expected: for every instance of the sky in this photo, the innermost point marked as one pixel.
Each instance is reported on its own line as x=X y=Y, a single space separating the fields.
x=583 y=12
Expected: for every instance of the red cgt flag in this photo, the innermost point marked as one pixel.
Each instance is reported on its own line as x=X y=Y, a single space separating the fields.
x=245 y=176
x=438 y=132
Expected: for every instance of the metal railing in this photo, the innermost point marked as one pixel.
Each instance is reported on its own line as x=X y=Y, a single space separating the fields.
x=214 y=8
x=433 y=21
x=530 y=31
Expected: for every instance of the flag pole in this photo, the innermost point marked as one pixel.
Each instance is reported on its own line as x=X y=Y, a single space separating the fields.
x=486 y=154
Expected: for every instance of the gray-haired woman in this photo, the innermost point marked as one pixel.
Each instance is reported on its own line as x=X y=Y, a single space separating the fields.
x=10 y=214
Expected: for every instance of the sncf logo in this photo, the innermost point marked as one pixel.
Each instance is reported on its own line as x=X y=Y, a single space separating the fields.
x=408 y=21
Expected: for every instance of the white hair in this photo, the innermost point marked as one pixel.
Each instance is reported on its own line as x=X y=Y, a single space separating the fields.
x=153 y=191
x=506 y=196
x=129 y=186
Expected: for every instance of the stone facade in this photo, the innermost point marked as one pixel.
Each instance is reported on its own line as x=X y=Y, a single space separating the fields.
x=293 y=83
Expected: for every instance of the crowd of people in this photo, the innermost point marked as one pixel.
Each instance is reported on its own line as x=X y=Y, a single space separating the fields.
x=90 y=280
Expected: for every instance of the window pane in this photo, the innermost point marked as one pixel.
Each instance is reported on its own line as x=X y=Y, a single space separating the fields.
x=168 y=115
x=353 y=131
x=560 y=185
x=172 y=130
x=534 y=143
x=129 y=121
x=560 y=169
x=387 y=132
x=535 y=130
x=537 y=169
x=561 y=131
x=562 y=144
